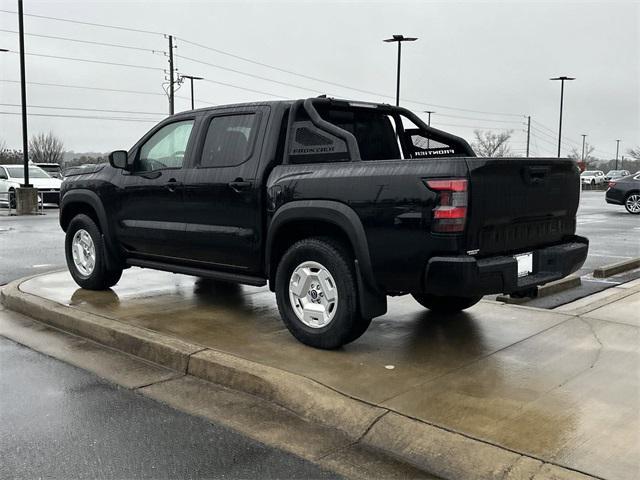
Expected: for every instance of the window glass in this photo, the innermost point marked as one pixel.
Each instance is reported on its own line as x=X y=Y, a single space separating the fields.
x=229 y=139
x=166 y=148
x=34 y=172
x=374 y=131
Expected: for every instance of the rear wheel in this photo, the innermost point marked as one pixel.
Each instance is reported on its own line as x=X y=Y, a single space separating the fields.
x=84 y=251
x=12 y=199
x=632 y=203
x=593 y=183
x=445 y=304
x=317 y=296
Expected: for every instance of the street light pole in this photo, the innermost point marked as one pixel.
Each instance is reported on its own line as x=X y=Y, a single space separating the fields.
x=23 y=93
x=617 y=151
x=429 y=112
x=399 y=39
x=562 y=80
x=191 y=78
x=584 y=138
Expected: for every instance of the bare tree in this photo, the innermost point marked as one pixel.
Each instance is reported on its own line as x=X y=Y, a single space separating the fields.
x=576 y=153
x=45 y=148
x=634 y=153
x=490 y=144
x=7 y=155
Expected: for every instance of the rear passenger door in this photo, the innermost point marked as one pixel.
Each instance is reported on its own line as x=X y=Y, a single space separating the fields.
x=222 y=198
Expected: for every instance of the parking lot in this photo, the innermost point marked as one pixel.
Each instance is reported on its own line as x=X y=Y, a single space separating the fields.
x=612 y=232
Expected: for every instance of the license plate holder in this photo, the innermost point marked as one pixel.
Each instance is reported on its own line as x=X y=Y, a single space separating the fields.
x=525 y=264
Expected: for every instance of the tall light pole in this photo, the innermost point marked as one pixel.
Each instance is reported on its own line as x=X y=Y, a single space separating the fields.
x=191 y=78
x=617 y=151
x=584 y=141
x=23 y=93
x=399 y=39
x=562 y=80
x=429 y=112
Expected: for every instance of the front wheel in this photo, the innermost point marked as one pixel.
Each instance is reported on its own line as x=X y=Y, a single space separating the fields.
x=317 y=295
x=632 y=203
x=84 y=251
x=445 y=304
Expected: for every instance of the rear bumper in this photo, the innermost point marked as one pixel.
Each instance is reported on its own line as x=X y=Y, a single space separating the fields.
x=466 y=275
x=614 y=196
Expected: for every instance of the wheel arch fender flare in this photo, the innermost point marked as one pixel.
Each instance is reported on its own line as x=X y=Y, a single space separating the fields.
x=90 y=198
x=372 y=300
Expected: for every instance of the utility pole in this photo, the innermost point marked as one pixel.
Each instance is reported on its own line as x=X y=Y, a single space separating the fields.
x=617 y=151
x=562 y=79
x=584 y=138
x=191 y=78
x=528 y=132
x=171 y=110
x=23 y=92
x=399 y=39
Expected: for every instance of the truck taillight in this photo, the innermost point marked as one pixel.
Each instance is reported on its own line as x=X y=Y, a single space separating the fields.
x=450 y=212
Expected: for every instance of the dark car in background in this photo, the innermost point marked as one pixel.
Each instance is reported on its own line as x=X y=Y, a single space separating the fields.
x=625 y=191
x=53 y=169
x=615 y=174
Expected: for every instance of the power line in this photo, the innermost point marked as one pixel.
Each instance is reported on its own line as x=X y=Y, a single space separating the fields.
x=417 y=102
x=102 y=62
x=90 y=42
x=240 y=72
x=341 y=85
x=58 y=19
x=88 y=117
x=83 y=109
x=82 y=87
x=480 y=119
x=243 y=88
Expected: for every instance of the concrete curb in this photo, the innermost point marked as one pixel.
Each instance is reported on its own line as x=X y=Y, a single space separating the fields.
x=427 y=447
x=615 y=268
x=551 y=288
x=161 y=349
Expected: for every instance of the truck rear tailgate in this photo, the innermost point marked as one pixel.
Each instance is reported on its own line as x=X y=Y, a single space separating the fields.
x=517 y=204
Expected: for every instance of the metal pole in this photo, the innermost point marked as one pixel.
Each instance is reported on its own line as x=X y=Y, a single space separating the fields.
x=398 y=77
x=560 y=125
x=617 y=151
x=171 y=75
x=192 y=107
x=23 y=90
x=528 y=133
x=584 y=138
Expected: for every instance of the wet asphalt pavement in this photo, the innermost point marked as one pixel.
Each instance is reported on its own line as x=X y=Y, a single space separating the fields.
x=57 y=421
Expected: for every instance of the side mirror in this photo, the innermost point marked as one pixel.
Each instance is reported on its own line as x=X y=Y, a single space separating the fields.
x=118 y=159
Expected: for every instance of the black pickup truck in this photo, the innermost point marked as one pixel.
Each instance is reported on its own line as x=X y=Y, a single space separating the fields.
x=335 y=204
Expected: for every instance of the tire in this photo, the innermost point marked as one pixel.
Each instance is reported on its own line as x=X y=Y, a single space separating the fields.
x=338 y=322
x=93 y=275
x=12 y=199
x=593 y=183
x=442 y=304
x=632 y=203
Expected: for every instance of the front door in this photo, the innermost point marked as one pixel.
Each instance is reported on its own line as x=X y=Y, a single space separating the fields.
x=222 y=195
x=150 y=222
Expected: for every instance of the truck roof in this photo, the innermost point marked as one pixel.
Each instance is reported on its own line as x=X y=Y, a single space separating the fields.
x=278 y=103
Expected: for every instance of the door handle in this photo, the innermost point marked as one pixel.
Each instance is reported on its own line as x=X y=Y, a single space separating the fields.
x=239 y=185
x=172 y=185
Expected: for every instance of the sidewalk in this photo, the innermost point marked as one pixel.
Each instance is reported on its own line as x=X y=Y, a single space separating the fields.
x=560 y=388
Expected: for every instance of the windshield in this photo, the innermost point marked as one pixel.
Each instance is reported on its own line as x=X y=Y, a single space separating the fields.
x=34 y=172
x=615 y=173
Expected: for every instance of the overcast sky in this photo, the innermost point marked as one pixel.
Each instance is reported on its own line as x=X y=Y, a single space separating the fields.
x=485 y=57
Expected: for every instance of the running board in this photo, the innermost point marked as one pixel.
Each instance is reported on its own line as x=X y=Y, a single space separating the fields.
x=199 y=272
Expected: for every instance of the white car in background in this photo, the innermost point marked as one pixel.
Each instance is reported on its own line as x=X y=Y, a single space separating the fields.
x=592 y=177
x=12 y=176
